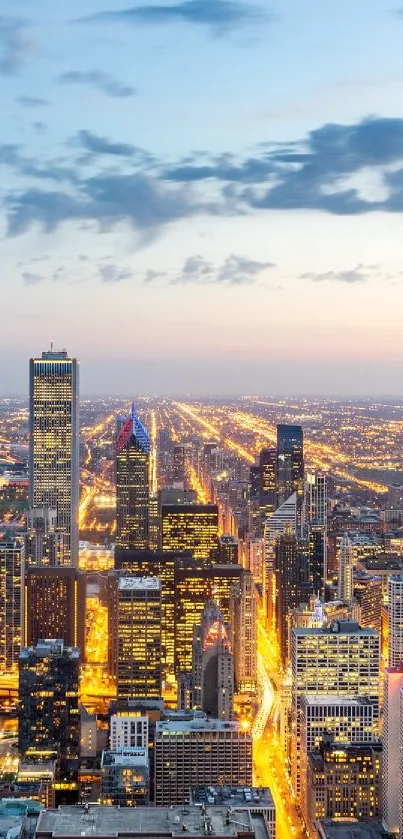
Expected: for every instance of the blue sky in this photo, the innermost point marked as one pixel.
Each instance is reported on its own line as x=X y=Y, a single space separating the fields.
x=203 y=196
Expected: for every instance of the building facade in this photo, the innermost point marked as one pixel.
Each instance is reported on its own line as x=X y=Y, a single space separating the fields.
x=132 y=484
x=192 y=528
x=11 y=603
x=135 y=632
x=290 y=462
x=54 y=606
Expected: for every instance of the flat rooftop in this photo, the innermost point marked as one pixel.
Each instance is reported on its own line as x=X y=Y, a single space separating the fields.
x=351 y=830
x=159 y=821
x=333 y=699
x=139 y=584
x=173 y=726
x=233 y=796
x=125 y=757
x=337 y=627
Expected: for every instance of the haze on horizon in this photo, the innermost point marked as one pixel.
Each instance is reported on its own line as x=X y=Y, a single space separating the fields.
x=203 y=196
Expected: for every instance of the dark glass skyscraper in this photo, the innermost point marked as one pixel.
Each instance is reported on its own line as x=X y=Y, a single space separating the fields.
x=268 y=470
x=132 y=483
x=290 y=462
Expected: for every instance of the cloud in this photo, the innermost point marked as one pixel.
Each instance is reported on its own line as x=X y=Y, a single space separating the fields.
x=152 y=275
x=220 y=16
x=100 y=81
x=31 y=279
x=113 y=274
x=32 y=101
x=101 y=145
x=13 y=44
x=235 y=270
x=360 y=274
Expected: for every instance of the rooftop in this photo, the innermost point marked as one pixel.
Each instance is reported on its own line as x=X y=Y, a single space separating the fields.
x=125 y=757
x=330 y=829
x=233 y=796
x=202 y=723
x=336 y=627
x=333 y=699
x=158 y=821
x=139 y=584
x=50 y=647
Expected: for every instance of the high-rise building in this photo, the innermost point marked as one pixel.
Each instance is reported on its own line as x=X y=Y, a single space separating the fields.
x=368 y=594
x=179 y=465
x=213 y=665
x=48 y=693
x=268 y=471
x=45 y=544
x=11 y=602
x=314 y=527
x=391 y=739
x=290 y=462
x=125 y=777
x=191 y=527
x=395 y=614
x=128 y=729
x=227 y=549
x=344 y=782
x=340 y=659
x=136 y=635
x=244 y=632
x=54 y=606
x=346 y=570
x=54 y=436
x=285 y=517
x=199 y=751
x=290 y=576
x=316 y=499
x=132 y=483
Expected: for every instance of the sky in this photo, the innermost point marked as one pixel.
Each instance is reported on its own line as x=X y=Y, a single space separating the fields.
x=203 y=196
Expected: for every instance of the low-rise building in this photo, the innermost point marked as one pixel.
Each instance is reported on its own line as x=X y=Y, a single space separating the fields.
x=125 y=777
x=252 y=799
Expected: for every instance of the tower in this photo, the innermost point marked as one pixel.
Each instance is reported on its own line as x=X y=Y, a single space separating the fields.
x=137 y=637
x=346 y=570
x=213 y=664
x=290 y=462
x=11 y=603
x=54 y=599
x=395 y=601
x=53 y=437
x=132 y=484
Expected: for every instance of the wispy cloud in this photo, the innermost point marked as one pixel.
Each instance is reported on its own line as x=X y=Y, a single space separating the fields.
x=100 y=81
x=31 y=279
x=114 y=274
x=14 y=44
x=360 y=274
x=234 y=271
x=102 y=145
x=220 y=16
x=32 y=101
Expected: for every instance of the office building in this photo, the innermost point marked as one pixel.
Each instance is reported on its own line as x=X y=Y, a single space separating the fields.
x=125 y=777
x=179 y=465
x=284 y=517
x=54 y=437
x=54 y=605
x=254 y=800
x=158 y=822
x=268 y=472
x=135 y=633
x=192 y=528
x=345 y=592
x=132 y=483
x=48 y=693
x=153 y=523
x=290 y=573
x=128 y=729
x=367 y=592
x=315 y=499
x=36 y=782
x=290 y=462
x=199 y=752
x=227 y=550
x=11 y=602
x=244 y=633
x=343 y=782
x=395 y=614
x=339 y=659
x=338 y=829
x=213 y=665
x=254 y=481
x=45 y=544
x=88 y=733
x=391 y=740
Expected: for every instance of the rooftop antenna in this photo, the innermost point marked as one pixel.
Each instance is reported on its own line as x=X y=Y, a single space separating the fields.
x=51 y=346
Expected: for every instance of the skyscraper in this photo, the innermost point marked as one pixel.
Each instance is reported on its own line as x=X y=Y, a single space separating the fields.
x=290 y=462
x=268 y=471
x=136 y=634
x=346 y=570
x=244 y=628
x=290 y=574
x=54 y=435
x=132 y=483
x=54 y=599
x=11 y=602
x=395 y=602
x=191 y=527
x=45 y=544
x=213 y=664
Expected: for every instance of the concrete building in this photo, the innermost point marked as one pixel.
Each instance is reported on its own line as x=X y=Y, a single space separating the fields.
x=159 y=822
x=199 y=752
x=54 y=598
x=128 y=729
x=213 y=665
x=11 y=603
x=257 y=800
x=125 y=777
x=135 y=633
x=331 y=829
x=45 y=543
x=395 y=612
x=391 y=739
x=88 y=738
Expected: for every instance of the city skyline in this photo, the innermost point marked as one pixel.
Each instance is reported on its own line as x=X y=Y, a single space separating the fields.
x=217 y=168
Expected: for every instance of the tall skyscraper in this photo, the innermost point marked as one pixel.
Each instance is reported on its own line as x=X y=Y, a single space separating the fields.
x=11 y=602
x=244 y=632
x=54 y=599
x=45 y=544
x=290 y=566
x=54 y=437
x=136 y=635
x=314 y=529
x=191 y=527
x=132 y=484
x=290 y=462
x=391 y=740
x=213 y=664
x=395 y=637
x=48 y=690
x=346 y=570
x=268 y=471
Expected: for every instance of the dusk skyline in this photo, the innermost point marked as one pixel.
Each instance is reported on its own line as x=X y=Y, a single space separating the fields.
x=203 y=197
